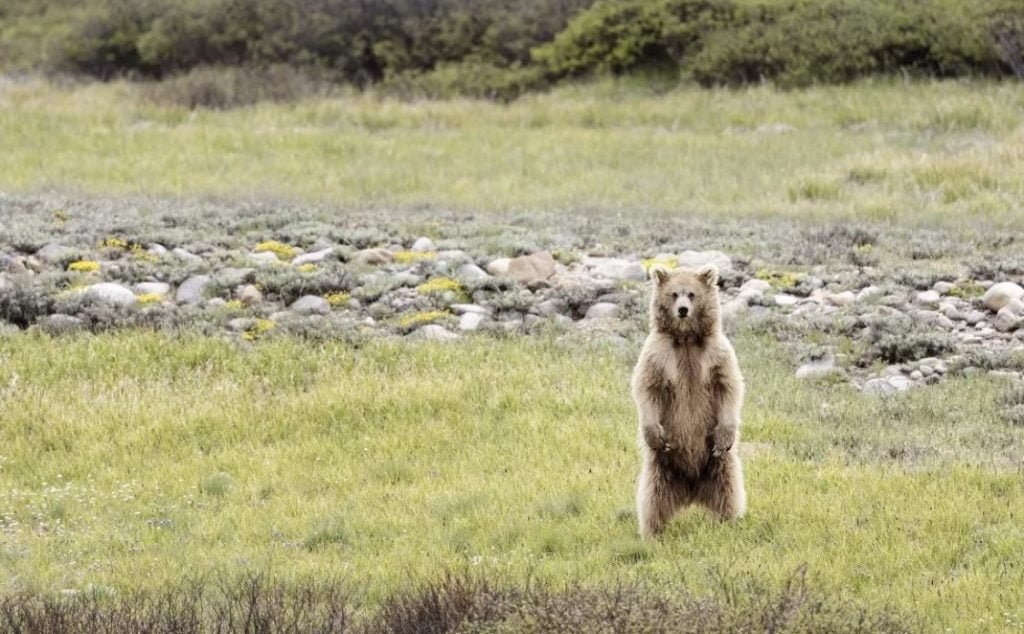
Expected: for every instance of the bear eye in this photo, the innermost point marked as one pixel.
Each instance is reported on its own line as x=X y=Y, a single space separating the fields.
x=675 y=295
x=690 y=295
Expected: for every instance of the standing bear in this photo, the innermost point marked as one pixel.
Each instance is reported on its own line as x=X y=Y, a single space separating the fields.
x=688 y=391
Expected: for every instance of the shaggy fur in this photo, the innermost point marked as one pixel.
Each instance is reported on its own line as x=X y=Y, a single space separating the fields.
x=688 y=391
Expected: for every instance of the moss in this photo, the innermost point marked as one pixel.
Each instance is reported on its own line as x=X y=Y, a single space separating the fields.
x=113 y=242
x=308 y=267
x=149 y=298
x=967 y=290
x=84 y=266
x=337 y=298
x=440 y=285
x=260 y=328
x=418 y=319
x=779 y=280
x=408 y=257
x=280 y=249
x=669 y=262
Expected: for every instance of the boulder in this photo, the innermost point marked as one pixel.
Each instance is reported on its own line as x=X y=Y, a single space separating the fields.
x=110 y=294
x=536 y=267
x=999 y=295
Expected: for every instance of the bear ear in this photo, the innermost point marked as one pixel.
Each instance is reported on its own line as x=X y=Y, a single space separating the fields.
x=708 y=274
x=659 y=274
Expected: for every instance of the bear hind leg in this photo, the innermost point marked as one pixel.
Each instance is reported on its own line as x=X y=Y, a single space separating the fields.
x=723 y=493
x=657 y=499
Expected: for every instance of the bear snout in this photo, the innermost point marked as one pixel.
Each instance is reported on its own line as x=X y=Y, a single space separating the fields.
x=683 y=312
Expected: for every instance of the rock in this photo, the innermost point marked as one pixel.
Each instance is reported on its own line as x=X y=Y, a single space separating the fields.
x=1015 y=306
x=157 y=249
x=191 y=258
x=757 y=285
x=59 y=324
x=13 y=265
x=312 y=257
x=470 y=321
x=499 y=267
x=55 y=253
x=471 y=273
x=462 y=309
x=1006 y=321
x=731 y=311
x=782 y=299
x=216 y=302
x=263 y=257
x=231 y=276
x=535 y=267
x=697 y=259
x=887 y=385
x=423 y=245
x=845 y=298
x=603 y=310
x=433 y=332
x=310 y=305
x=943 y=288
x=152 y=288
x=869 y=294
x=975 y=317
x=926 y=370
x=239 y=324
x=191 y=290
x=916 y=375
x=999 y=295
x=818 y=369
x=930 y=298
x=550 y=307
x=110 y=293
x=615 y=269
x=372 y=257
x=249 y=294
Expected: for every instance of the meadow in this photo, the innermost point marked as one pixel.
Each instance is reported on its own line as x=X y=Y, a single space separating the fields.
x=922 y=153
x=134 y=460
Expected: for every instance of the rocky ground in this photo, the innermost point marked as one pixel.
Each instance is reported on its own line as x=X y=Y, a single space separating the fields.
x=885 y=308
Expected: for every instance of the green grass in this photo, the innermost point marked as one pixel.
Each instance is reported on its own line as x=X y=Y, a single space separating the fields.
x=136 y=460
x=925 y=152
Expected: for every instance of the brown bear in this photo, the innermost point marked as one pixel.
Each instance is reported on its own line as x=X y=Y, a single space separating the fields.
x=688 y=391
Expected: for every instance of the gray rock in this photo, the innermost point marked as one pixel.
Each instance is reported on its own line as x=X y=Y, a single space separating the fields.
x=1006 y=321
x=249 y=294
x=603 y=310
x=54 y=253
x=499 y=267
x=157 y=249
x=470 y=321
x=191 y=290
x=423 y=245
x=462 y=309
x=13 y=265
x=887 y=385
x=1015 y=306
x=550 y=307
x=916 y=375
x=615 y=269
x=470 y=273
x=845 y=298
x=263 y=257
x=757 y=285
x=999 y=295
x=191 y=258
x=110 y=294
x=782 y=299
x=535 y=267
x=975 y=317
x=372 y=257
x=310 y=305
x=216 y=302
x=819 y=368
x=239 y=324
x=869 y=294
x=433 y=332
x=312 y=257
x=152 y=288
x=697 y=259
x=59 y=324
x=943 y=288
x=930 y=298
x=231 y=276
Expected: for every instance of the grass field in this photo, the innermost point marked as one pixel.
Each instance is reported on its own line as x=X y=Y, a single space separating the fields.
x=941 y=152
x=122 y=453
x=141 y=461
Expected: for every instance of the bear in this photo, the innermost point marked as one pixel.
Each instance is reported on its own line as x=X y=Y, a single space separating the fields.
x=688 y=392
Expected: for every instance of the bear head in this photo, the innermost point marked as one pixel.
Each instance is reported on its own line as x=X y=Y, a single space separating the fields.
x=684 y=304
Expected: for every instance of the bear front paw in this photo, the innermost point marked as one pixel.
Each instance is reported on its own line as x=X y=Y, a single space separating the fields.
x=723 y=440
x=655 y=439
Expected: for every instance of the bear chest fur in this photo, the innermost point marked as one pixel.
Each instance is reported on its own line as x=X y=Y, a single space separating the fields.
x=689 y=401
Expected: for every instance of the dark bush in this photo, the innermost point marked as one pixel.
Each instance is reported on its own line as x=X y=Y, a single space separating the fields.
x=224 y=87
x=454 y=604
